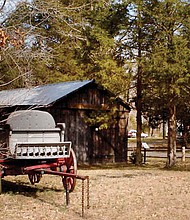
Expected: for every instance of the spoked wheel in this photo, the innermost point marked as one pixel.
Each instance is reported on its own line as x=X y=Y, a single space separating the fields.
x=71 y=164
x=34 y=178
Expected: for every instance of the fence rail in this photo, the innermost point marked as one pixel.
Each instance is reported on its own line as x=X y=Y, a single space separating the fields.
x=161 y=152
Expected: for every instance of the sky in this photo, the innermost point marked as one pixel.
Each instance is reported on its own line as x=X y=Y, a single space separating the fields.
x=9 y=6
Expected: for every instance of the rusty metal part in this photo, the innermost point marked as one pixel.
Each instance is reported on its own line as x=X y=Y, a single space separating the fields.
x=82 y=198
x=88 y=192
x=83 y=195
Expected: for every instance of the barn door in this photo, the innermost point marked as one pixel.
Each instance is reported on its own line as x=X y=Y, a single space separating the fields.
x=103 y=145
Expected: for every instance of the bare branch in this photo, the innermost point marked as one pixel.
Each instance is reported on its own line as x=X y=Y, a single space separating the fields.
x=5 y=84
x=3 y=5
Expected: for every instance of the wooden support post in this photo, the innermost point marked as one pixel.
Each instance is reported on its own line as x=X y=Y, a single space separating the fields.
x=183 y=154
x=144 y=155
x=67 y=192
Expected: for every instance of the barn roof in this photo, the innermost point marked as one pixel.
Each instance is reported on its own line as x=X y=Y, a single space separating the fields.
x=44 y=95
x=40 y=95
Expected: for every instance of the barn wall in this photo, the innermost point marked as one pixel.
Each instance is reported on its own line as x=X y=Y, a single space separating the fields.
x=91 y=144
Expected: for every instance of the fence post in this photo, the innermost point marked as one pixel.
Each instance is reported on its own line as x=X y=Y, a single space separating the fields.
x=183 y=154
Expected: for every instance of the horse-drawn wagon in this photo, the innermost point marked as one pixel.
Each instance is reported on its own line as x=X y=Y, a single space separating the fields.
x=32 y=144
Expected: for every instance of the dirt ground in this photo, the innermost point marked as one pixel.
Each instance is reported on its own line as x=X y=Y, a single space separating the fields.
x=115 y=193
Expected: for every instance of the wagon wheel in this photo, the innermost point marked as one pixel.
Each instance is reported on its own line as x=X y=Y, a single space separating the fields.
x=71 y=164
x=34 y=178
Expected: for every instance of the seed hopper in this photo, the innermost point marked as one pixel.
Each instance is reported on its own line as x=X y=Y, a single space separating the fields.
x=32 y=144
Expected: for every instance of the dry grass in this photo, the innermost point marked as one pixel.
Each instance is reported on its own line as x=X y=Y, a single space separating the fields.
x=116 y=192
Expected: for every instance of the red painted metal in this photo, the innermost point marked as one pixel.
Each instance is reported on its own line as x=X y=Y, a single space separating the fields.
x=64 y=167
x=57 y=173
x=41 y=166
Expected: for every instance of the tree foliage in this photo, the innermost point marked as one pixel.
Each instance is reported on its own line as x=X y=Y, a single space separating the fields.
x=67 y=40
x=153 y=36
x=167 y=70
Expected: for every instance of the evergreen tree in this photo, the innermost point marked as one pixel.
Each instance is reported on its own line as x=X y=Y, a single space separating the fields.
x=167 y=64
x=135 y=35
x=152 y=36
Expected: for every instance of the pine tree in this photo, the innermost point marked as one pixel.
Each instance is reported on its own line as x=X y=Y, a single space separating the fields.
x=166 y=66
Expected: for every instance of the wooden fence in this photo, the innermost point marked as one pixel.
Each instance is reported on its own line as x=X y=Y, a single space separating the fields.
x=158 y=150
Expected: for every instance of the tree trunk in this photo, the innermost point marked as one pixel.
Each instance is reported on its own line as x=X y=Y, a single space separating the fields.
x=171 y=154
x=139 y=118
x=139 y=96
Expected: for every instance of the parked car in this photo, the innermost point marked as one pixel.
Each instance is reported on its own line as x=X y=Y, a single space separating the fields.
x=144 y=135
x=133 y=133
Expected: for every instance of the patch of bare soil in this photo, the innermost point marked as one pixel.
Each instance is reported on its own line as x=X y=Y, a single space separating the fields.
x=119 y=193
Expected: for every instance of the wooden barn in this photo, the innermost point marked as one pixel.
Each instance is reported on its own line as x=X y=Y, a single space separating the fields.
x=84 y=106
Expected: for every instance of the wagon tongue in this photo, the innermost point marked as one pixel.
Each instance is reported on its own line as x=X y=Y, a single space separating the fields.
x=44 y=169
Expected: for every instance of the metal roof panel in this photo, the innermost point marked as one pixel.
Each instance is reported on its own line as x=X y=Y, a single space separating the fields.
x=40 y=95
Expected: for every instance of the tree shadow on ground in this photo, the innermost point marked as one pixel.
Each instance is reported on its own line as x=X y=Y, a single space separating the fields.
x=37 y=192
x=23 y=188
x=151 y=164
